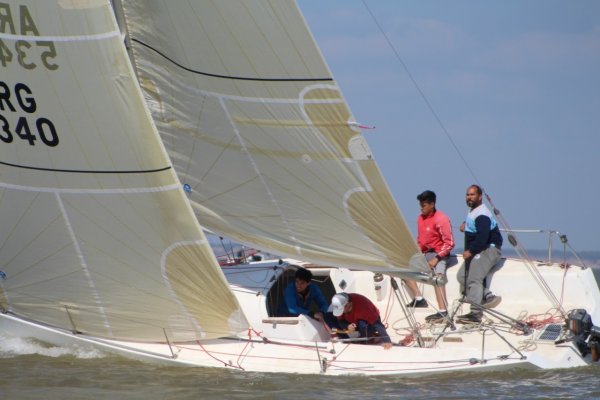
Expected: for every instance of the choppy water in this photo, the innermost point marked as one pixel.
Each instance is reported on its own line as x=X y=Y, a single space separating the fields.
x=30 y=370
x=73 y=376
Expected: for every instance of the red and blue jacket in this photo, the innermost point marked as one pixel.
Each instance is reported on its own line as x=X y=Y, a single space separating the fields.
x=434 y=233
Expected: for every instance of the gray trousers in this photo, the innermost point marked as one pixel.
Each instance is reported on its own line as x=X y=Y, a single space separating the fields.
x=482 y=267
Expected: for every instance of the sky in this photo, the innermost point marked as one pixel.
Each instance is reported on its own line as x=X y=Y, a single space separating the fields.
x=507 y=95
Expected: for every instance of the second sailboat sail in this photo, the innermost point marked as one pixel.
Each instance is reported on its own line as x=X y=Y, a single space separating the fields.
x=261 y=135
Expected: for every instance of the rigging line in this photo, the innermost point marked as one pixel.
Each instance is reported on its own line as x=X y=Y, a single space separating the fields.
x=432 y=110
x=429 y=106
x=225 y=363
x=542 y=283
x=535 y=273
x=240 y=78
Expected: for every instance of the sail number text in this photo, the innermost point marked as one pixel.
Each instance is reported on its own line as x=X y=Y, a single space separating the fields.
x=21 y=100
x=25 y=52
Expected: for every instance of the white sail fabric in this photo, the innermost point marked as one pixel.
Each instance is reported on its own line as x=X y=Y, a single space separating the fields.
x=259 y=132
x=97 y=235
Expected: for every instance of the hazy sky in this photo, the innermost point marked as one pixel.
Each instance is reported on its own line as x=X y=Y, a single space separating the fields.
x=515 y=83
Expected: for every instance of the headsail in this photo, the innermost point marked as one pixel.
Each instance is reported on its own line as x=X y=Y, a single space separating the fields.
x=261 y=134
x=96 y=234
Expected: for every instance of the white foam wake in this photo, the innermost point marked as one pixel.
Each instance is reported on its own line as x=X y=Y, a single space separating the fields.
x=19 y=346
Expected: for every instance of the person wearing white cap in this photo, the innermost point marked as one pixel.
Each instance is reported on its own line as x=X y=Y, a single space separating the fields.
x=357 y=314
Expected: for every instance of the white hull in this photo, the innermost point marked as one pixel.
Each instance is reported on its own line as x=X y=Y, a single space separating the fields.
x=301 y=345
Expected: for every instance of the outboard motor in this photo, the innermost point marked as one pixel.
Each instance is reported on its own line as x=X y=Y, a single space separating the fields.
x=585 y=334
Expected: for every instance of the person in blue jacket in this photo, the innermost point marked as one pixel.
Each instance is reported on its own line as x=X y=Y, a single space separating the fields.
x=483 y=243
x=300 y=294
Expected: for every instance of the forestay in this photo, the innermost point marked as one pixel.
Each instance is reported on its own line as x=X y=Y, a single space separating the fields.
x=96 y=234
x=261 y=135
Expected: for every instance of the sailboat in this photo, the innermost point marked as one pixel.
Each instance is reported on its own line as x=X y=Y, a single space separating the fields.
x=129 y=127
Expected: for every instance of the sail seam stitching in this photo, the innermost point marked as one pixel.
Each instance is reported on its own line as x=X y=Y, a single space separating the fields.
x=261 y=177
x=74 y=38
x=90 y=191
x=83 y=261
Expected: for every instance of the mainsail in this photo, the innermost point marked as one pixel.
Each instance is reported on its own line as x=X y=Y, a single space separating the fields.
x=97 y=235
x=261 y=135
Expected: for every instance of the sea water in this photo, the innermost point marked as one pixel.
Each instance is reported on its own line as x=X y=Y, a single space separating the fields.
x=47 y=375
x=33 y=370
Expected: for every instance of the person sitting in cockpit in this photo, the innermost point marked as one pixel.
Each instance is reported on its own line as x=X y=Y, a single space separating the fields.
x=299 y=295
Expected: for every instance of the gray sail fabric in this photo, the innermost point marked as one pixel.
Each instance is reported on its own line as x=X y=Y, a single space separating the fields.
x=261 y=135
x=96 y=233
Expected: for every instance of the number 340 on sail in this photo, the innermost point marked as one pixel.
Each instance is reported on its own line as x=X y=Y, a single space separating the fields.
x=22 y=96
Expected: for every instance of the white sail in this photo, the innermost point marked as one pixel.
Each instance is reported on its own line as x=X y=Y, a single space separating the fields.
x=118 y=141
x=97 y=234
x=261 y=135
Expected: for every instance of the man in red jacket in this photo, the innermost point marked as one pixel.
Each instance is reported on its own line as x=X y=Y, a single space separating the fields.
x=434 y=237
x=360 y=317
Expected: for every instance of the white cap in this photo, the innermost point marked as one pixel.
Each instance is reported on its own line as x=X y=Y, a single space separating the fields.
x=338 y=302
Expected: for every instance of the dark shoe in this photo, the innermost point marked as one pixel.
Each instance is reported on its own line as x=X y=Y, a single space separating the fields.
x=469 y=318
x=418 y=303
x=437 y=317
x=491 y=301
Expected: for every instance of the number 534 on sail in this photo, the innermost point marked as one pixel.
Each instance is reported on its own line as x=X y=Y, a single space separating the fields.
x=26 y=52
x=23 y=50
